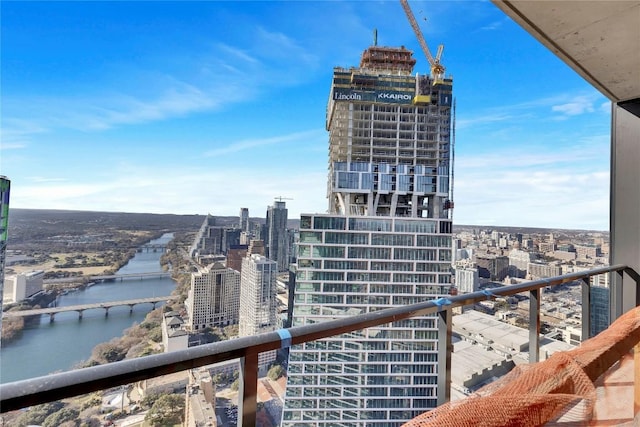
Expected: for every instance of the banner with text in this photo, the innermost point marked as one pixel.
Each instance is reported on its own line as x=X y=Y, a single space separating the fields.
x=350 y=95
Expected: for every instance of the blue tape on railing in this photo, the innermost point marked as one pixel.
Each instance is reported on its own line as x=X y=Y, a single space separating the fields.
x=489 y=294
x=285 y=338
x=441 y=301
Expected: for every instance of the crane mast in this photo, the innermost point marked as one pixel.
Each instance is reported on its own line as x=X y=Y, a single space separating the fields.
x=437 y=69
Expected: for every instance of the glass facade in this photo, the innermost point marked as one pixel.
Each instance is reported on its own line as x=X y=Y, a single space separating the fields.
x=362 y=378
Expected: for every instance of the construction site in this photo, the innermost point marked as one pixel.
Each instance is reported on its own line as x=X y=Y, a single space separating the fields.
x=391 y=134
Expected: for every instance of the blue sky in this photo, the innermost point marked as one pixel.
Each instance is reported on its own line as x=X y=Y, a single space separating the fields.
x=206 y=107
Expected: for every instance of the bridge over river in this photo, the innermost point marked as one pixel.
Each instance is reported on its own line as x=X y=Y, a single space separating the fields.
x=51 y=311
x=103 y=278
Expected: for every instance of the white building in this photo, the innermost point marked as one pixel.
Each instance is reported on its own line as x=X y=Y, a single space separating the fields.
x=258 y=300
x=467 y=279
x=174 y=335
x=539 y=270
x=24 y=285
x=519 y=262
x=214 y=297
x=385 y=242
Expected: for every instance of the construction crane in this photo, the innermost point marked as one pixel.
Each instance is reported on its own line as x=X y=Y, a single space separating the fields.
x=437 y=69
x=280 y=198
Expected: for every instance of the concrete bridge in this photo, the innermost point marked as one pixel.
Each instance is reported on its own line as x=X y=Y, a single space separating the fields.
x=51 y=311
x=132 y=276
x=117 y=277
x=149 y=247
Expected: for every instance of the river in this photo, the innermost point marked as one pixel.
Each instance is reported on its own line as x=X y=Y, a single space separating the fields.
x=62 y=345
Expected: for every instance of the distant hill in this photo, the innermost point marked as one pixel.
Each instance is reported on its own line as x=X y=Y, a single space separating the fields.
x=457 y=228
x=39 y=225
x=29 y=225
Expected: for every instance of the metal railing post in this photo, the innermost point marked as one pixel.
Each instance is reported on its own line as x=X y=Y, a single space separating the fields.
x=444 y=356
x=615 y=285
x=534 y=325
x=248 y=390
x=586 y=309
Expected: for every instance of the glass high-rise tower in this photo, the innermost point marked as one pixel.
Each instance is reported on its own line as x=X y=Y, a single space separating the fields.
x=277 y=239
x=386 y=241
x=5 y=186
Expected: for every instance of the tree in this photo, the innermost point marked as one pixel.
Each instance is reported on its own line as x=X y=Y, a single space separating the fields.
x=57 y=418
x=150 y=399
x=37 y=414
x=108 y=352
x=167 y=410
x=275 y=372
x=212 y=335
x=155 y=334
x=231 y=331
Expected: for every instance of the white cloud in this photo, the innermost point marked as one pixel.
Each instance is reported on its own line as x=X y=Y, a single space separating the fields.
x=579 y=105
x=198 y=192
x=104 y=111
x=227 y=75
x=234 y=147
x=43 y=179
x=556 y=199
x=279 y=45
x=483 y=119
x=239 y=53
x=11 y=145
x=492 y=26
x=605 y=107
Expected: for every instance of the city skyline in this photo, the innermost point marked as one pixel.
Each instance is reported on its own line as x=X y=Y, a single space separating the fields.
x=122 y=107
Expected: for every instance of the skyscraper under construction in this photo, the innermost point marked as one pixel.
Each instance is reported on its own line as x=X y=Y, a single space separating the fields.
x=386 y=241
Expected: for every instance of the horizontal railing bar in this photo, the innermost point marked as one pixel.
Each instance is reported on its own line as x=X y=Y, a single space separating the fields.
x=33 y=391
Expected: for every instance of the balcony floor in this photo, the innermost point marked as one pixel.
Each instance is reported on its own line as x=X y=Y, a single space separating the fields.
x=614 y=391
x=614 y=399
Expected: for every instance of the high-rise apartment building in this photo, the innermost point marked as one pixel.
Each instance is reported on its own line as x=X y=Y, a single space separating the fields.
x=258 y=302
x=467 y=279
x=214 y=296
x=277 y=240
x=386 y=241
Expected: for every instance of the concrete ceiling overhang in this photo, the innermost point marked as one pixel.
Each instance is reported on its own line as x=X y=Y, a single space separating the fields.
x=599 y=39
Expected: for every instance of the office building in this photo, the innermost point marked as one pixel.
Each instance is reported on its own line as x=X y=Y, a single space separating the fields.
x=201 y=244
x=386 y=241
x=492 y=267
x=258 y=302
x=213 y=239
x=540 y=270
x=244 y=220
x=588 y=251
x=213 y=299
x=547 y=247
x=277 y=240
x=235 y=255
x=600 y=301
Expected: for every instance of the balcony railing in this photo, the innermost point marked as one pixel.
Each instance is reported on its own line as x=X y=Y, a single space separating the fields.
x=22 y=394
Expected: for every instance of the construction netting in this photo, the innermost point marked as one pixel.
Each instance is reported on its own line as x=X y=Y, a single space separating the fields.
x=541 y=393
